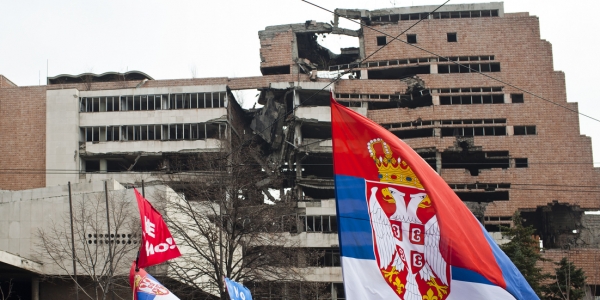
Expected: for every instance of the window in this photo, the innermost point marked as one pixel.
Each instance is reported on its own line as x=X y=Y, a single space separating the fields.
x=411 y=38
x=318 y=223
x=451 y=37
x=517 y=98
x=381 y=41
x=524 y=130
x=521 y=162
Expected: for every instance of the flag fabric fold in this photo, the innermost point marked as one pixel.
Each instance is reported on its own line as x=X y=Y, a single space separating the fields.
x=237 y=291
x=145 y=287
x=404 y=234
x=157 y=244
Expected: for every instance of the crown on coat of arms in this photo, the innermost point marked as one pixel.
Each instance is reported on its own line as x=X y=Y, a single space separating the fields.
x=392 y=170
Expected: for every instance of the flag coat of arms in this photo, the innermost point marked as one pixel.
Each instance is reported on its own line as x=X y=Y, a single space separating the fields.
x=145 y=287
x=404 y=234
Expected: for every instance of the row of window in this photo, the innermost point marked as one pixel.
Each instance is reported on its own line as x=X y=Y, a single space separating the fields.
x=153 y=102
x=472 y=99
x=468 y=68
x=437 y=15
x=192 y=131
x=318 y=223
x=444 y=122
x=464 y=131
x=405 y=61
x=468 y=90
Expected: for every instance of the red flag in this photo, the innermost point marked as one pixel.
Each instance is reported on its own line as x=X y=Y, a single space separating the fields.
x=158 y=245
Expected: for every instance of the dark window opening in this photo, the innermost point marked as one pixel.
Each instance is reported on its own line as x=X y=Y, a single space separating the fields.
x=414 y=133
x=429 y=157
x=517 y=98
x=485 y=196
x=473 y=131
x=381 y=40
x=492 y=228
x=557 y=224
x=473 y=161
x=451 y=37
x=521 y=163
x=92 y=166
x=275 y=70
x=398 y=73
x=468 y=68
x=411 y=38
x=318 y=165
x=524 y=130
x=316 y=131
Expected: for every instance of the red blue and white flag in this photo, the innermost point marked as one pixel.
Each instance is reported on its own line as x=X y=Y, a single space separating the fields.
x=404 y=234
x=145 y=287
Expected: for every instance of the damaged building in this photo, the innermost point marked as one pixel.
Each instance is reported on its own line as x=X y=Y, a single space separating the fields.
x=500 y=149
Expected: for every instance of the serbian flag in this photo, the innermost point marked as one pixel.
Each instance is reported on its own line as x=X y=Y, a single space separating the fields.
x=157 y=245
x=404 y=234
x=145 y=287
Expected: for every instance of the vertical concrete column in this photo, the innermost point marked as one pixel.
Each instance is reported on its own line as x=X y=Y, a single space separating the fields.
x=296 y=99
x=435 y=100
x=507 y=98
x=364 y=74
x=103 y=166
x=298 y=135
x=438 y=162
x=298 y=139
x=35 y=288
x=433 y=69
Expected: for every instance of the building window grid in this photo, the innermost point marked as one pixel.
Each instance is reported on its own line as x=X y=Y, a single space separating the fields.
x=468 y=68
x=171 y=132
x=472 y=99
x=406 y=61
x=420 y=123
x=489 y=89
x=318 y=223
x=436 y=15
x=153 y=102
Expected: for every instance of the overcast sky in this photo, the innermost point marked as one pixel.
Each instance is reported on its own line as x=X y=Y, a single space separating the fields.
x=177 y=39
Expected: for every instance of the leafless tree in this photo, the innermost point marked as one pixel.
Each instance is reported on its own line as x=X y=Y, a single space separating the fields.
x=226 y=228
x=5 y=293
x=102 y=259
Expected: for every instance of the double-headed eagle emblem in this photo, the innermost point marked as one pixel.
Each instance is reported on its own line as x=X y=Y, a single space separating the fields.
x=406 y=235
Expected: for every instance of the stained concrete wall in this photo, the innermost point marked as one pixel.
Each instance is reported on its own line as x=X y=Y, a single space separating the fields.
x=62 y=136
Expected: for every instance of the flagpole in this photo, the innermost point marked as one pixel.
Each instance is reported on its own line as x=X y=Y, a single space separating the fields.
x=73 y=244
x=110 y=268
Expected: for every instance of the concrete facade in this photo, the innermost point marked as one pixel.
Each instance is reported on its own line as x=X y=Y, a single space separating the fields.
x=501 y=149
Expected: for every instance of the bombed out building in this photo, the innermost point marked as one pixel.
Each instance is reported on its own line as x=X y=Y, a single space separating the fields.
x=447 y=87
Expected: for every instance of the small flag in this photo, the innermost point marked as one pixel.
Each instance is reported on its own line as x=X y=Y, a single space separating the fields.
x=157 y=245
x=237 y=291
x=145 y=287
x=404 y=234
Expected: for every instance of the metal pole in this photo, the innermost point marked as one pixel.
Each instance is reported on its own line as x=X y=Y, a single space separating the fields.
x=143 y=191
x=73 y=244
x=110 y=266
